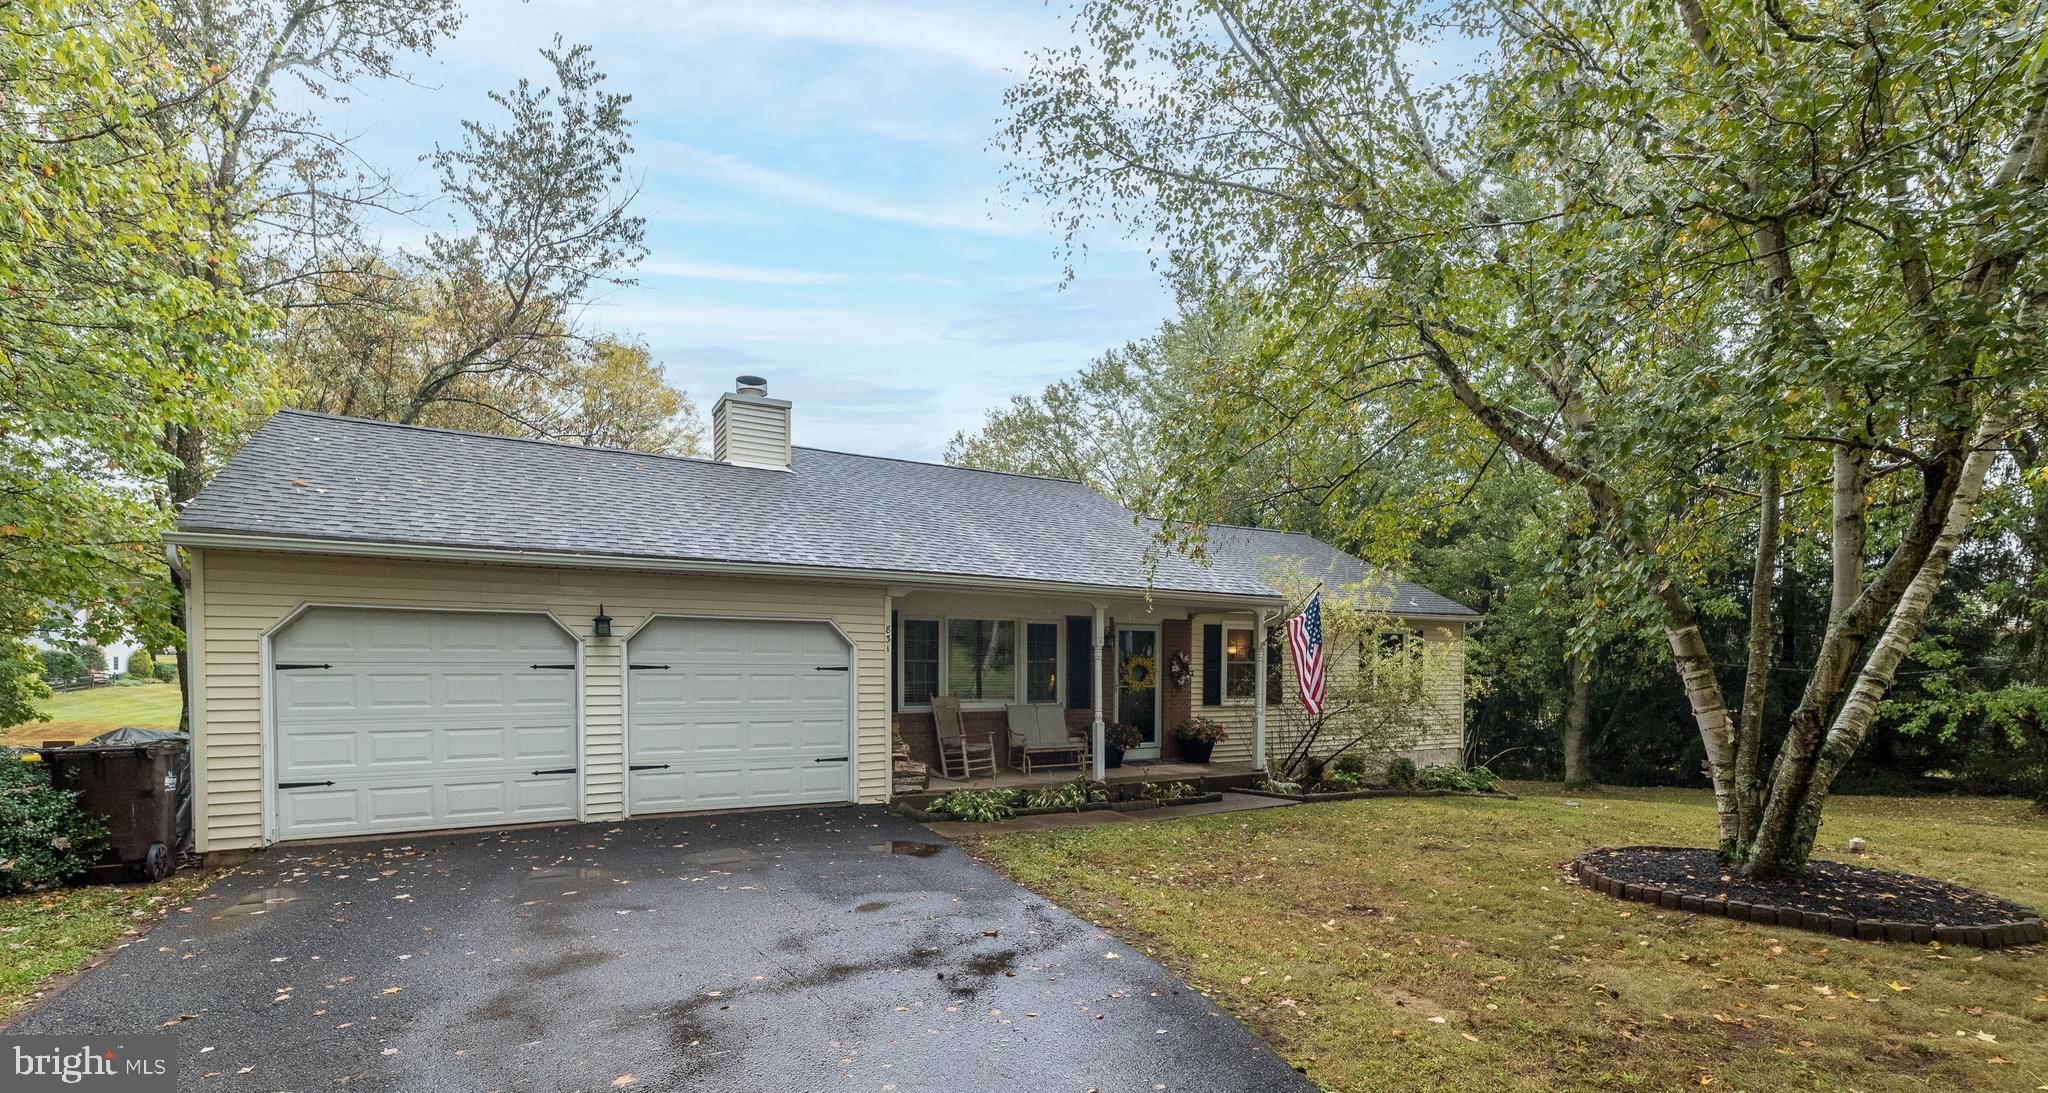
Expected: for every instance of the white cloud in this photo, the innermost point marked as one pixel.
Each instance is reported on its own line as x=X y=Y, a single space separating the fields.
x=768 y=182
x=981 y=42
x=735 y=274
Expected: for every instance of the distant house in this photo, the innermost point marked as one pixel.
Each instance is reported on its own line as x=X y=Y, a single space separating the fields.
x=400 y=629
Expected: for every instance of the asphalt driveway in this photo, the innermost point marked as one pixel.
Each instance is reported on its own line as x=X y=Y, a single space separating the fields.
x=839 y=949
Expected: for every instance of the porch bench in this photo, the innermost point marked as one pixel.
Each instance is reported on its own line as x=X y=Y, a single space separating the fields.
x=1039 y=739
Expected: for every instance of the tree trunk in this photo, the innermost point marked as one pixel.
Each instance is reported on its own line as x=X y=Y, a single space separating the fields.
x=1787 y=835
x=188 y=443
x=1749 y=735
x=1578 y=736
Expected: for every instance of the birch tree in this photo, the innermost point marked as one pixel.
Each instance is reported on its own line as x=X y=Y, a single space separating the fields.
x=1707 y=264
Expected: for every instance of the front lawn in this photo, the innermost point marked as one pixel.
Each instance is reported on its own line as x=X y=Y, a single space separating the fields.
x=82 y=715
x=44 y=935
x=1438 y=944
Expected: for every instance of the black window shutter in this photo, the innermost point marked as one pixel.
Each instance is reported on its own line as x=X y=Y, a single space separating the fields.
x=1080 y=662
x=895 y=662
x=1212 y=665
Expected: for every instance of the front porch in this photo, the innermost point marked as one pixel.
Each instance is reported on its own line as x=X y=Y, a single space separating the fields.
x=1132 y=772
x=1005 y=665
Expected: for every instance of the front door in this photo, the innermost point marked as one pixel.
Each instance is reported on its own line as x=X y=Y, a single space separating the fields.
x=1137 y=687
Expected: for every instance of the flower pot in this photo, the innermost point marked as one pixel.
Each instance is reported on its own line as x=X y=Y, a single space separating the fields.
x=1112 y=757
x=1196 y=751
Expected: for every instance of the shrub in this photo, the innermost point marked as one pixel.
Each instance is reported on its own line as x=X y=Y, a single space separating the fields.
x=45 y=838
x=1352 y=763
x=977 y=806
x=1466 y=780
x=1401 y=773
x=142 y=665
x=1312 y=769
x=1200 y=730
x=166 y=670
x=1164 y=791
x=62 y=665
x=1340 y=781
x=1070 y=795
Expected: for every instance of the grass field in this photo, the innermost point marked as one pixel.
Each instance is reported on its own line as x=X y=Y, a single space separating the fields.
x=1438 y=944
x=44 y=935
x=82 y=715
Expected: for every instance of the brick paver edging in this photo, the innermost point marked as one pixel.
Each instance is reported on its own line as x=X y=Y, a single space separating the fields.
x=2027 y=931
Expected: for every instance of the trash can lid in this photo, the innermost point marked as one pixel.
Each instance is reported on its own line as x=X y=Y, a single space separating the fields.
x=131 y=735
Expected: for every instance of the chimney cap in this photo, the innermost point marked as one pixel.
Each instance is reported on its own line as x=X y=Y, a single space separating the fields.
x=751 y=385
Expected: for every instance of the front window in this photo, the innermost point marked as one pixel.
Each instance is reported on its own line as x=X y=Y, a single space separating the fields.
x=981 y=659
x=1041 y=662
x=920 y=652
x=1240 y=671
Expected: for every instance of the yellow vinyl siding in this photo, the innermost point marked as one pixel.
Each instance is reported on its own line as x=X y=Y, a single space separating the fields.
x=1442 y=741
x=244 y=594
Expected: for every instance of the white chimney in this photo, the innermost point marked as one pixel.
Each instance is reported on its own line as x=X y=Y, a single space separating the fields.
x=749 y=429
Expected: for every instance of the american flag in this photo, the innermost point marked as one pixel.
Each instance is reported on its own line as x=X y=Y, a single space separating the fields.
x=1305 y=633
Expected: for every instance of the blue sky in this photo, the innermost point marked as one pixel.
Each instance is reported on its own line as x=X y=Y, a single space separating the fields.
x=822 y=203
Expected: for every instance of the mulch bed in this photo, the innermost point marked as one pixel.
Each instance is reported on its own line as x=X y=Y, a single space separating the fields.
x=1832 y=897
x=1372 y=792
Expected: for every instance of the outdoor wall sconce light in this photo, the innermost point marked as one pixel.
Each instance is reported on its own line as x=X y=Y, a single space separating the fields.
x=602 y=624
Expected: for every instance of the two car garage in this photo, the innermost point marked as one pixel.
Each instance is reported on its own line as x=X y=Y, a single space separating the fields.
x=388 y=720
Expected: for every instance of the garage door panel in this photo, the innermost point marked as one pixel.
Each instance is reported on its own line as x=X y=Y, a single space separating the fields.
x=737 y=715
x=420 y=720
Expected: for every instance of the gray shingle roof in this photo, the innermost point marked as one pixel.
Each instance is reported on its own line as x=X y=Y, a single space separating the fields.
x=315 y=476
x=1340 y=572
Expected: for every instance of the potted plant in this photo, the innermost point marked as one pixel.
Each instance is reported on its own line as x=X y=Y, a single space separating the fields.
x=1197 y=737
x=1116 y=739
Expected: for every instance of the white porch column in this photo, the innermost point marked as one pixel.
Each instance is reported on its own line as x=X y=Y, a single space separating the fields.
x=1259 y=693
x=1097 y=736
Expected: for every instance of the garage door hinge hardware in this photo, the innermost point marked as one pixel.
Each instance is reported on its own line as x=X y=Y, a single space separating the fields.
x=301 y=785
x=835 y=759
x=832 y=668
x=558 y=770
x=648 y=667
x=298 y=667
x=558 y=667
x=648 y=766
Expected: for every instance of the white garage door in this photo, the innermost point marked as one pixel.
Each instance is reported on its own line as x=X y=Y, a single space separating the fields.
x=734 y=713
x=415 y=720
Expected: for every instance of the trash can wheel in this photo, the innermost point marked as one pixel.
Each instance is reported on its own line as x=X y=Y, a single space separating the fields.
x=159 y=863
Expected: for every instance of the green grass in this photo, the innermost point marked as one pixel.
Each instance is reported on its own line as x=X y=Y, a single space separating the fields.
x=44 y=935
x=82 y=715
x=1438 y=944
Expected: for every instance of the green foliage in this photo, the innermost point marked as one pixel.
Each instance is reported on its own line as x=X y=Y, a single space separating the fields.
x=142 y=665
x=1339 y=780
x=120 y=321
x=45 y=838
x=1598 y=251
x=1122 y=737
x=1070 y=795
x=167 y=670
x=1352 y=763
x=62 y=665
x=1401 y=773
x=1459 y=779
x=977 y=806
x=1164 y=791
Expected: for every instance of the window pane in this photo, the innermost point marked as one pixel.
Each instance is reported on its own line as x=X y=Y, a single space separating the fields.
x=920 y=661
x=1041 y=662
x=1240 y=671
x=981 y=659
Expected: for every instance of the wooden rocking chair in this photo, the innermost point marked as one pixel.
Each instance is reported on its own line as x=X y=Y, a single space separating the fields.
x=961 y=754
